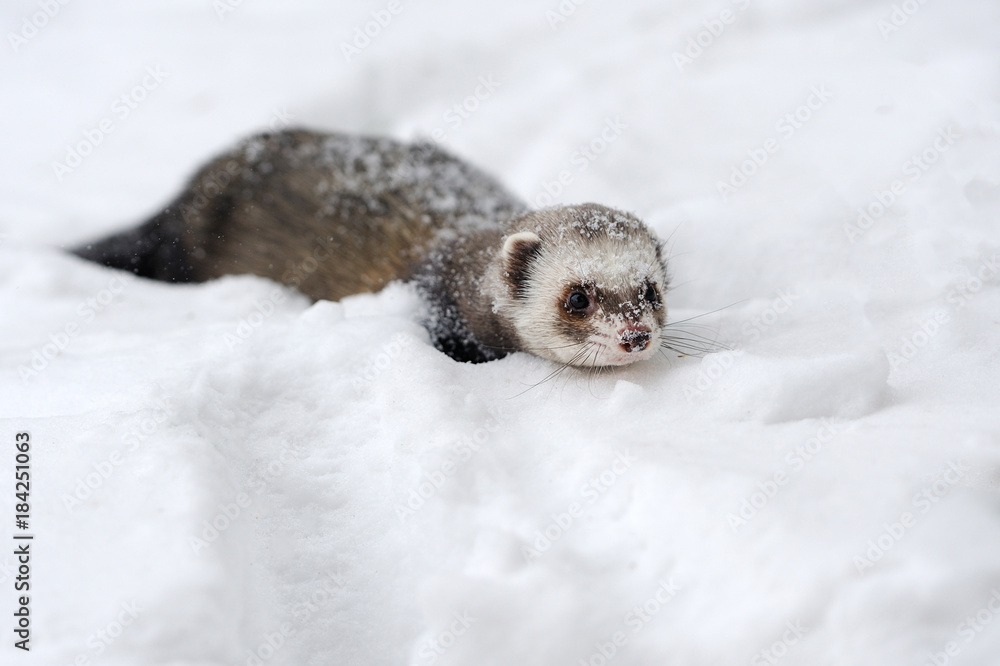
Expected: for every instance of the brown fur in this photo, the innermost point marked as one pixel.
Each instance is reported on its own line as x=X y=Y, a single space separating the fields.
x=335 y=215
x=364 y=210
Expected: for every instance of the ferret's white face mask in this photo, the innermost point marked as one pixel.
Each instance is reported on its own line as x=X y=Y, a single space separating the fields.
x=590 y=287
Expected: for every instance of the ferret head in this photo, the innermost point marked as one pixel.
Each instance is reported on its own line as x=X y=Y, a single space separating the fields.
x=584 y=285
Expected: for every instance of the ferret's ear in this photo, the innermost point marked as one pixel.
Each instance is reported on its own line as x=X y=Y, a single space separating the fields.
x=519 y=251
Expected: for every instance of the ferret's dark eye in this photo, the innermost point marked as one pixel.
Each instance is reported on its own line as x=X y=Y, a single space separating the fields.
x=652 y=296
x=578 y=301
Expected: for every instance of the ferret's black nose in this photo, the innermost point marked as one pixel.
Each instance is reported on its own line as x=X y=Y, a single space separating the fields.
x=633 y=339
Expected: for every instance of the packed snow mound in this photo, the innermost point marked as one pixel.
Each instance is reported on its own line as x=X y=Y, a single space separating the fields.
x=228 y=473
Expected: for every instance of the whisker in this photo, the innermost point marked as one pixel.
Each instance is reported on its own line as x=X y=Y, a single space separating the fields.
x=705 y=314
x=565 y=365
x=696 y=339
x=689 y=348
x=595 y=371
x=687 y=342
x=702 y=343
x=671 y=287
x=533 y=350
x=552 y=375
x=677 y=351
x=686 y=325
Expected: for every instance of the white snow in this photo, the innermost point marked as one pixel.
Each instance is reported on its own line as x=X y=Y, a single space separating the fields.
x=698 y=510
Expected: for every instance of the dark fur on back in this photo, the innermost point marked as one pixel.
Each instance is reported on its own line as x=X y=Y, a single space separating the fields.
x=462 y=320
x=334 y=215
x=153 y=250
x=330 y=214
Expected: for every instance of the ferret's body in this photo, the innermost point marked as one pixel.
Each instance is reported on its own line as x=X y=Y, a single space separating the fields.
x=335 y=215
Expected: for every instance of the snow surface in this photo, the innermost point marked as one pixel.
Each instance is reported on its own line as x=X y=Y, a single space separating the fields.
x=857 y=416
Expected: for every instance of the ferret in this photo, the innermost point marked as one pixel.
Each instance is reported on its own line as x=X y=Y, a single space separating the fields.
x=336 y=214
